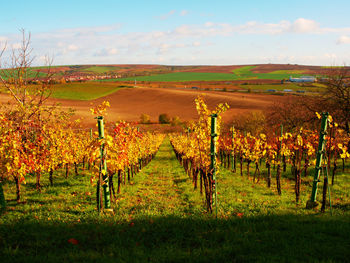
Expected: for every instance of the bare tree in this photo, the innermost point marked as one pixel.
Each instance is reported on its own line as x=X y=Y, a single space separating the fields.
x=29 y=88
x=294 y=112
x=337 y=95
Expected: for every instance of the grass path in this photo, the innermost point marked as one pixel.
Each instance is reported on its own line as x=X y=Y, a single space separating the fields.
x=161 y=188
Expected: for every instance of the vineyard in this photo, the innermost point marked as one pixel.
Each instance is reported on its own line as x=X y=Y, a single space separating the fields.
x=224 y=186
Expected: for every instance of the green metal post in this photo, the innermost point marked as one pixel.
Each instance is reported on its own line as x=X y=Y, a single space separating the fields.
x=319 y=156
x=90 y=133
x=213 y=157
x=2 y=198
x=233 y=151
x=103 y=166
x=281 y=136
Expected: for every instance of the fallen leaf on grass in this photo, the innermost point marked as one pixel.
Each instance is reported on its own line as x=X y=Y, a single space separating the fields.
x=73 y=241
x=240 y=215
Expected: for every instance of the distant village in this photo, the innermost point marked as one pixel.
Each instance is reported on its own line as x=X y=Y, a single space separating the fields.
x=79 y=78
x=82 y=78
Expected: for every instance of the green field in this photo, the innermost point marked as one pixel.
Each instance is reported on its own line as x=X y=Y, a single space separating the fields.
x=159 y=218
x=243 y=73
x=290 y=72
x=31 y=73
x=246 y=70
x=83 y=91
x=246 y=73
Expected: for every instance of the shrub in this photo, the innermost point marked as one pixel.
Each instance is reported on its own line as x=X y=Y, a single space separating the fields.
x=175 y=121
x=164 y=118
x=145 y=118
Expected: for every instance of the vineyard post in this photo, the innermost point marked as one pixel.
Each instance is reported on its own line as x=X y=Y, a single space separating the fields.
x=90 y=133
x=233 y=151
x=213 y=136
x=278 y=173
x=2 y=198
x=319 y=156
x=103 y=166
x=280 y=155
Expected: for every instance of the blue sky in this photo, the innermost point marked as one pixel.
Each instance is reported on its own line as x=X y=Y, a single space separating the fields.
x=192 y=32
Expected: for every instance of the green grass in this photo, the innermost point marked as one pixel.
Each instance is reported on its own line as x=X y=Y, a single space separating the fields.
x=80 y=91
x=31 y=73
x=243 y=73
x=289 y=72
x=246 y=73
x=83 y=91
x=246 y=70
x=159 y=218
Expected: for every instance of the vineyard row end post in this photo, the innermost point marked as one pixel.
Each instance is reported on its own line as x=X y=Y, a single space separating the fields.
x=213 y=140
x=2 y=198
x=105 y=185
x=233 y=150
x=319 y=156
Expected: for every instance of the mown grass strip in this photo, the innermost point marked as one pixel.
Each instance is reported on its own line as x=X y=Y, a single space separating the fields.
x=83 y=91
x=161 y=189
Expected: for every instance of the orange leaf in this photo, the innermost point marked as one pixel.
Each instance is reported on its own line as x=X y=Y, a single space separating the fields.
x=240 y=215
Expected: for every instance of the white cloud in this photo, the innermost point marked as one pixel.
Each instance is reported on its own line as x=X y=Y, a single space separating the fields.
x=72 y=47
x=158 y=34
x=164 y=48
x=343 y=40
x=183 y=13
x=299 y=26
x=209 y=24
x=184 y=30
x=167 y=15
x=330 y=56
x=180 y=45
x=3 y=39
x=107 y=44
x=302 y=25
x=16 y=46
x=106 y=52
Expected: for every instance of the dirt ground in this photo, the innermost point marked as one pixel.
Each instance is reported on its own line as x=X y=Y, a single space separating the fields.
x=128 y=104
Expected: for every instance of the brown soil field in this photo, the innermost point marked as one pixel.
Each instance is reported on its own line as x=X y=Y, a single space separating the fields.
x=202 y=85
x=129 y=104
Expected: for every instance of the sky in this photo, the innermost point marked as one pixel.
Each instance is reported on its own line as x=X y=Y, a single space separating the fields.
x=177 y=32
